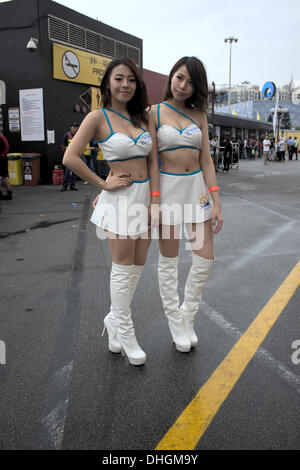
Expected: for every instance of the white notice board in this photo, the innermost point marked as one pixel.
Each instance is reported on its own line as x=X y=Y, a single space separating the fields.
x=32 y=114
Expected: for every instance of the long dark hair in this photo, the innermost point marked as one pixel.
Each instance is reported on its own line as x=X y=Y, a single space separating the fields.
x=196 y=69
x=137 y=107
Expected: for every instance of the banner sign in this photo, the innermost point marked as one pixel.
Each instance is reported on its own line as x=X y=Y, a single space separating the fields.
x=79 y=66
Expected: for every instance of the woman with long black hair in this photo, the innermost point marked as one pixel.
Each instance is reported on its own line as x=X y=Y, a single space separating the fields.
x=189 y=194
x=125 y=134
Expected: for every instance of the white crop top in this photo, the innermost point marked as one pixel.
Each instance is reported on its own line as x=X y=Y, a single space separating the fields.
x=171 y=138
x=118 y=147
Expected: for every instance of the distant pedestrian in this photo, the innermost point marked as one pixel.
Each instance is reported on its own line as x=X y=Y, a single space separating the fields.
x=215 y=148
x=272 y=150
x=245 y=148
x=290 y=147
x=70 y=178
x=267 y=146
x=241 y=149
x=260 y=149
x=252 y=146
x=281 y=149
x=295 y=149
x=227 y=155
x=102 y=167
x=4 y=148
x=88 y=158
x=94 y=148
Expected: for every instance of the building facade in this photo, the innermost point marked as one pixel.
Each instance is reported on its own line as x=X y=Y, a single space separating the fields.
x=241 y=94
x=261 y=110
x=63 y=72
x=296 y=96
x=156 y=83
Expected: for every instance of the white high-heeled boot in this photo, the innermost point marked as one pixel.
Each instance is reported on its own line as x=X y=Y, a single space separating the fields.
x=168 y=283
x=110 y=322
x=194 y=286
x=120 y=292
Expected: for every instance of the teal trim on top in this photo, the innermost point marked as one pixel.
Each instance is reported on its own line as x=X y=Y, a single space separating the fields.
x=180 y=174
x=108 y=121
x=119 y=114
x=180 y=147
x=121 y=133
x=185 y=115
x=158 y=119
x=128 y=158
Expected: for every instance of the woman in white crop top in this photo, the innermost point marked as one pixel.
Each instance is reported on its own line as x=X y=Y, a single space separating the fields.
x=126 y=135
x=189 y=194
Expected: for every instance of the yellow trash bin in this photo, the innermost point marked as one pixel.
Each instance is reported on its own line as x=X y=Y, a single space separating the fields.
x=15 y=168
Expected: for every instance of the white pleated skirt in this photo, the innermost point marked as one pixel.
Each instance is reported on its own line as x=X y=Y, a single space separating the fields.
x=184 y=198
x=124 y=211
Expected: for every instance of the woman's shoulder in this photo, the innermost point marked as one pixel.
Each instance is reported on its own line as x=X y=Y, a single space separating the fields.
x=153 y=113
x=153 y=109
x=96 y=114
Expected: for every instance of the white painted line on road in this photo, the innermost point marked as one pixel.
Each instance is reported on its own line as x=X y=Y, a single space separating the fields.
x=255 y=204
x=262 y=245
x=62 y=375
x=55 y=424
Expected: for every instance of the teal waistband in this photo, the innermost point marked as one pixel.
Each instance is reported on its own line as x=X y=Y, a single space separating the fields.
x=140 y=181
x=124 y=159
x=180 y=174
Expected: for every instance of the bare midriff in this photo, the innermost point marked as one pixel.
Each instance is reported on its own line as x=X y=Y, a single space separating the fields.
x=180 y=160
x=136 y=168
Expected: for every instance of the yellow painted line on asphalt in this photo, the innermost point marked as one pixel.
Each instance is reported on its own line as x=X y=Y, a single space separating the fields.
x=195 y=419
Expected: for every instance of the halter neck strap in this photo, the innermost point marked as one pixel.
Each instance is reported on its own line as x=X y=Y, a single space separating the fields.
x=119 y=114
x=179 y=112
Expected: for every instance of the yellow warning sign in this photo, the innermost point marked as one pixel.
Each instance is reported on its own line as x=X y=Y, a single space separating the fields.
x=78 y=66
x=92 y=98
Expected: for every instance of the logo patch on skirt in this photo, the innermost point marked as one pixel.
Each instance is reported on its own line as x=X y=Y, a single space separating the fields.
x=204 y=201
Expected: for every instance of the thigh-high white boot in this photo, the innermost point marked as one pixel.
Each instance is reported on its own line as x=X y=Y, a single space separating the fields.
x=120 y=292
x=168 y=284
x=194 y=286
x=110 y=322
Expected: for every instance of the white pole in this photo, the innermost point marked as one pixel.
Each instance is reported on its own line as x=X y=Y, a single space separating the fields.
x=229 y=91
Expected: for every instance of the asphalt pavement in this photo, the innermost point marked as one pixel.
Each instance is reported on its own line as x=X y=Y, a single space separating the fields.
x=61 y=388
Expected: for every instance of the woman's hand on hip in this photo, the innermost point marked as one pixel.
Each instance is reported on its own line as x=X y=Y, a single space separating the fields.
x=117 y=181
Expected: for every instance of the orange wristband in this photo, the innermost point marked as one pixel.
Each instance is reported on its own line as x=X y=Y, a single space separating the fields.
x=155 y=193
x=213 y=188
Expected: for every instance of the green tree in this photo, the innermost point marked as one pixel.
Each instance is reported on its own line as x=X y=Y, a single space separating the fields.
x=286 y=121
